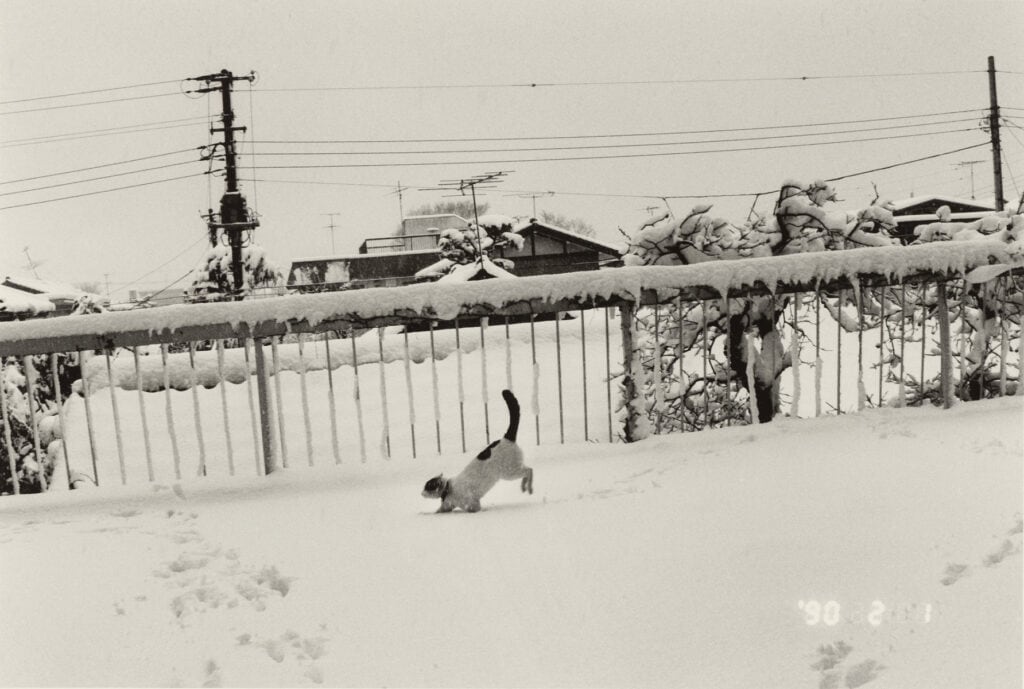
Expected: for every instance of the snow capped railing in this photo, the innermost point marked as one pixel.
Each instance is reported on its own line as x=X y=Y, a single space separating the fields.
x=205 y=373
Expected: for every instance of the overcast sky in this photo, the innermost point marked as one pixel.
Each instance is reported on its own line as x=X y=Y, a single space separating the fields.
x=460 y=73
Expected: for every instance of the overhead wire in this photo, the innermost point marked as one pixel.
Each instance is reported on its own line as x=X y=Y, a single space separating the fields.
x=108 y=131
x=91 y=91
x=95 y=102
x=642 y=82
x=165 y=263
x=96 y=179
x=618 y=145
x=97 y=167
x=100 y=191
x=617 y=156
x=622 y=135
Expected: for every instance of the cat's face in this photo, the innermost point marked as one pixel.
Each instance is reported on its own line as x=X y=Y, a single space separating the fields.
x=433 y=487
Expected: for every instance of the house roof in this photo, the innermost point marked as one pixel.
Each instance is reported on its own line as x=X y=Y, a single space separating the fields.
x=534 y=225
x=44 y=288
x=932 y=199
x=16 y=301
x=470 y=271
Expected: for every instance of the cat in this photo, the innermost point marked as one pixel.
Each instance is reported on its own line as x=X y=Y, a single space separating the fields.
x=502 y=459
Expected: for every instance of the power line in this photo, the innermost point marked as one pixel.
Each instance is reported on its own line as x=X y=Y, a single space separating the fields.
x=94 y=102
x=97 y=167
x=607 y=157
x=621 y=135
x=648 y=82
x=96 y=179
x=165 y=263
x=620 y=145
x=101 y=191
x=83 y=93
x=108 y=131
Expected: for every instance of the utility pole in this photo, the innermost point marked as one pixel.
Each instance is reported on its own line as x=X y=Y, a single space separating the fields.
x=234 y=217
x=971 y=164
x=331 y=228
x=993 y=118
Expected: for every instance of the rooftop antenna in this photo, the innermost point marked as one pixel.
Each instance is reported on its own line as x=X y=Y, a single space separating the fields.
x=971 y=163
x=533 y=195
x=487 y=180
x=32 y=264
x=331 y=228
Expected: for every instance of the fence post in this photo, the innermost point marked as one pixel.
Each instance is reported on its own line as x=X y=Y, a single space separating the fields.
x=627 y=313
x=266 y=411
x=946 y=367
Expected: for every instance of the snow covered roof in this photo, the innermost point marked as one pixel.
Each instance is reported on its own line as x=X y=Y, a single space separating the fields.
x=45 y=288
x=534 y=224
x=903 y=204
x=20 y=302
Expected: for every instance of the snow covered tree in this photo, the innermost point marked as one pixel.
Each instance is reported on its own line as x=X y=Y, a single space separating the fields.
x=737 y=341
x=473 y=245
x=212 y=279
x=576 y=225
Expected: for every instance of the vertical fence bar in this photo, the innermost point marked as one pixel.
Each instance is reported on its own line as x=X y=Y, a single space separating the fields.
x=60 y=414
x=924 y=336
x=462 y=394
x=535 y=396
x=37 y=445
x=304 y=393
x=728 y=366
x=117 y=418
x=197 y=415
x=858 y=294
x=484 y=322
x=142 y=411
x=89 y=424
x=946 y=366
x=903 y=345
x=357 y=397
x=385 y=417
x=839 y=353
x=680 y=396
x=704 y=336
x=408 y=392
x=266 y=408
x=608 y=372
x=794 y=356
x=508 y=356
x=1004 y=338
x=965 y=330
x=558 y=369
x=331 y=403
x=627 y=313
x=222 y=384
x=258 y=429
x=279 y=401
x=583 y=357
x=436 y=388
x=659 y=394
x=881 y=342
x=818 y=363
x=8 y=440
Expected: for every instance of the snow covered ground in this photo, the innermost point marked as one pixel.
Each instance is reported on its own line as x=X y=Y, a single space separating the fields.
x=881 y=549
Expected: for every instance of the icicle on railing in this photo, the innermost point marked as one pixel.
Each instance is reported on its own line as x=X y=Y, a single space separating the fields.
x=357 y=397
x=304 y=397
x=385 y=430
x=279 y=402
x=117 y=418
x=409 y=391
x=62 y=421
x=461 y=387
x=583 y=359
x=196 y=413
x=332 y=405
x=253 y=418
x=535 y=393
x=484 y=322
x=142 y=410
x=558 y=370
x=222 y=384
x=794 y=356
x=436 y=388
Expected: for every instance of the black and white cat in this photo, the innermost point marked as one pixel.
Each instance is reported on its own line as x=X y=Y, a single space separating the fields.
x=501 y=460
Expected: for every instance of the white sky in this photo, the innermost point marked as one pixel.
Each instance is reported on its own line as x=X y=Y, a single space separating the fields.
x=146 y=237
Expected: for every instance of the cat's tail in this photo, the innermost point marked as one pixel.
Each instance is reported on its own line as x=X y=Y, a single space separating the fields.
x=513 y=414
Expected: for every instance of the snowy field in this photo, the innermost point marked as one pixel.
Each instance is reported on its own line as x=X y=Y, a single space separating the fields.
x=881 y=549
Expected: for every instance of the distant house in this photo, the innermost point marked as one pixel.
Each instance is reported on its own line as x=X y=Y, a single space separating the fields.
x=393 y=261
x=32 y=297
x=921 y=210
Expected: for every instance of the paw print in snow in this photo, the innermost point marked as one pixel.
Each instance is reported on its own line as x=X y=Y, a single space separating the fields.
x=837 y=674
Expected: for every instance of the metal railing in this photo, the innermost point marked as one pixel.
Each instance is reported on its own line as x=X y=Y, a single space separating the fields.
x=598 y=356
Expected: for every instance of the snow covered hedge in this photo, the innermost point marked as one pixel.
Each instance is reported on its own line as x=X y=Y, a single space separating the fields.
x=741 y=339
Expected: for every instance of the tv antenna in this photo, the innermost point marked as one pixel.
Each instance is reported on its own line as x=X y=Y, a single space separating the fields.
x=971 y=164
x=487 y=180
x=534 y=195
